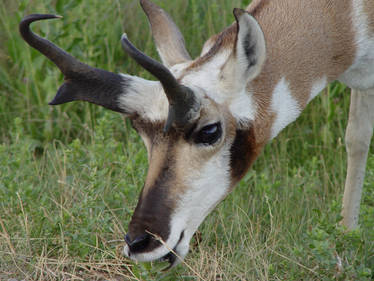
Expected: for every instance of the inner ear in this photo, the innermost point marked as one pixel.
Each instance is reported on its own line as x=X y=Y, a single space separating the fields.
x=249 y=51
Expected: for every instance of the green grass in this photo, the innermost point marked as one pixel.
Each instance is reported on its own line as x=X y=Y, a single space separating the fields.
x=70 y=175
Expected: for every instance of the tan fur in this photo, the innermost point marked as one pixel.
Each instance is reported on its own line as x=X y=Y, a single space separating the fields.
x=157 y=157
x=306 y=40
x=185 y=158
x=224 y=40
x=295 y=33
x=192 y=158
x=369 y=10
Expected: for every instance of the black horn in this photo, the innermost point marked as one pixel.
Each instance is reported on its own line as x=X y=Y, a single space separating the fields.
x=64 y=61
x=183 y=104
x=82 y=82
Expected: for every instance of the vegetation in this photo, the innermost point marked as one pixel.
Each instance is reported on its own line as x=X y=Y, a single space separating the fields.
x=70 y=175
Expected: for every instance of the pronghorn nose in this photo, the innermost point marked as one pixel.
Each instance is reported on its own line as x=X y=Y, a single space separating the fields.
x=139 y=243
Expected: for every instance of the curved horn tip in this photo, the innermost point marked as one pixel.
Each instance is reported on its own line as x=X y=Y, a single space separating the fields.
x=34 y=17
x=24 y=25
x=126 y=44
x=124 y=37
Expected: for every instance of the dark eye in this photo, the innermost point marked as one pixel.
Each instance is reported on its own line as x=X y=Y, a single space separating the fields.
x=209 y=134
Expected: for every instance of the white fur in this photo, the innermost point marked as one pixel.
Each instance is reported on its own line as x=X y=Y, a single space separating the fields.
x=243 y=108
x=317 y=87
x=206 y=190
x=155 y=254
x=285 y=106
x=177 y=69
x=192 y=210
x=207 y=46
x=146 y=98
x=361 y=74
x=207 y=78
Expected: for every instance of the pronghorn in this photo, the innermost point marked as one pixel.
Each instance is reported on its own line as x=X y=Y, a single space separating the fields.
x=205 y=121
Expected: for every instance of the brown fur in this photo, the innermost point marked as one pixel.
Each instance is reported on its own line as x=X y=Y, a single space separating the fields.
x=173 y=160
x=306 y=41
x=296 y=32
x=244 y=152
x=224 y=40
x=159 y=151
x=157 y=201
x=369 y=10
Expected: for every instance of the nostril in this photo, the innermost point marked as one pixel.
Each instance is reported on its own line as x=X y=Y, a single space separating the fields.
x=128 y=239
x=139 y=243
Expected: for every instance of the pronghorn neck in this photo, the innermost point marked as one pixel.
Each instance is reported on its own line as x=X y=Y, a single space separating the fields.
x=305 y=51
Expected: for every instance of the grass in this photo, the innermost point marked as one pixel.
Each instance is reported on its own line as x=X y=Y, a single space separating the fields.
x=70 y=175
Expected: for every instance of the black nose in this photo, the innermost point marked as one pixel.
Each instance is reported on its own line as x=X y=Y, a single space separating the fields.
x=139 y=243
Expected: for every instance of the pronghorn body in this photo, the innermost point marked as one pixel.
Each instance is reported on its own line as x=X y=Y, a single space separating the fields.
x=208 y=119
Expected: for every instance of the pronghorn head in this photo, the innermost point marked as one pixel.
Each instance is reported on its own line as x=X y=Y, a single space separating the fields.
x=195 y=121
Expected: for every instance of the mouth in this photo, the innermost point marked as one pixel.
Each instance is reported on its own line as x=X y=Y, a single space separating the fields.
x=172 y=257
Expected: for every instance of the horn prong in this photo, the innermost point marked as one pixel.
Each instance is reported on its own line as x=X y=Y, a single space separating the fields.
x=183 y=105
x=82 y=82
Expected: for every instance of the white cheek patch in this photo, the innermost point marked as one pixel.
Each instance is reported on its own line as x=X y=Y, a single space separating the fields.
x=317 y=87
x=146 y=98
x=205 y=189
x=285 y=106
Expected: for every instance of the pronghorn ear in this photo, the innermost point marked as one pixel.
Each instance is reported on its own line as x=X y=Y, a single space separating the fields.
x=249 y=52
x=169 y=40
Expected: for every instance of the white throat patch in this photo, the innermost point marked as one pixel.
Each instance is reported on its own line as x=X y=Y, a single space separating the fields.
x=285 y=106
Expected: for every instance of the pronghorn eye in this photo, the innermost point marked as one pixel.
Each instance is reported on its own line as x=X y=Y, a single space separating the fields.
x=209 y=134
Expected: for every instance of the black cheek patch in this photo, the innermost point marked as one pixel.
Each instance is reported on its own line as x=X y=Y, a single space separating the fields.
x=243 y=153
